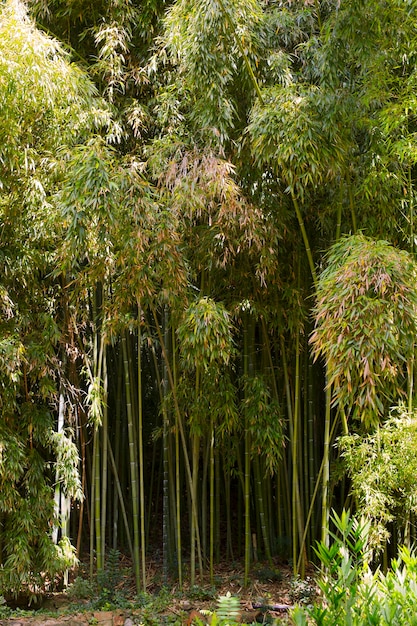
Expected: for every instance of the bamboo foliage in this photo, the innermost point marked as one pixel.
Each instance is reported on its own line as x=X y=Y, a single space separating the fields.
x=37 y=79
x=160 y=247
x=206 y=341
x=366 y=329
x=392 y=446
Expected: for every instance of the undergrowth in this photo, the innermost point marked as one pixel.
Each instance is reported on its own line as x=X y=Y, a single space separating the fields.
x=354 y=595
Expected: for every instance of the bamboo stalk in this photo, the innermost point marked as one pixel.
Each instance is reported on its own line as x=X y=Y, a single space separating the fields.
x=305 y=238
x=133 y=466
x=229 y=543
x=352 y=210
x=182 y=436
x=294 y=454
x=92 y=504
x=177 y=468
x=165 y=495
x=212 y=503
x=261 y=509
x=105 y=426
x=194 y=492
x=116 y=455
x=205 y=503
x=248 y=371
x=141 y=455
x=119 y=493
x=246 y=497
x=314 y=495
x=325 y=509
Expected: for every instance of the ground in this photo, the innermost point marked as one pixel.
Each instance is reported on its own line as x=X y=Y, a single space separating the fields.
x=267 y=598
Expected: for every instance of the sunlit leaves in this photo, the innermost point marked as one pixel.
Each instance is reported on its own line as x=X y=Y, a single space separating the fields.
x=11 y=356
x=263 y=422
x=365 y=324
x=44 y=107
x=12 y=465
x=95 y=401
x=112 y=42
x=216 y=406
x=67 y=462
x=382 y=467
x=202 y=39
x=26 y=500
x=43 y=99
x=218 y=222
x=205 y=335
x=88 y=199
x=293 y=133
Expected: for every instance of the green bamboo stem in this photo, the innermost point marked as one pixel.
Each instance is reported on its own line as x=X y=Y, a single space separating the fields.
x=133 y=466
x=352 y=210
x=178 y=501
x=314 y=495
x=57 y=490
x=103 y=512
x=194 y=485
x=410 y=364
x=261 y=509
x=296 y=508
x=141 y=454
x=212 y=504
x=305 y=238
x=217 y=500
x=116 y=456
x=83 y=487
x=97 y=500
x=119 y=493
x=165 y=426
x=310 y=511
x=339 y=215
x=290 y=413
x=92 y=505
x=194 y=495
x=293 y=410
x=267 y=495
x=205 y=504
x=317 y=7
x=267 y=345
x=304 y=443
x=311 y=448
x=248 y=371
x=279 y=504
x=61 y=500
x=246 y=497
x=229 y=543
x=177 y=468
x=162 y=389
x=182 y=436
x=98 y=350
x=325 y=509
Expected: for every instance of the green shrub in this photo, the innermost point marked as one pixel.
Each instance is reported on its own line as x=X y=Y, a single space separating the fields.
x=351 y=593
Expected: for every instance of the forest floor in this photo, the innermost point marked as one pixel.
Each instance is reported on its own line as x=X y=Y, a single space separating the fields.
x=271 y=591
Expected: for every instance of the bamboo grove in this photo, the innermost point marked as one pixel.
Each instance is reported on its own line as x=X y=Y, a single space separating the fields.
x=208 y=288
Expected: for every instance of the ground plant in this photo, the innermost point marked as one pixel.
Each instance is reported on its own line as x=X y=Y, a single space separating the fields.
x=352 y=592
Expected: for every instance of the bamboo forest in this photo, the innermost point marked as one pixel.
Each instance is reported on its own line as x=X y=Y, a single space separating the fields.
x=208 y=283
